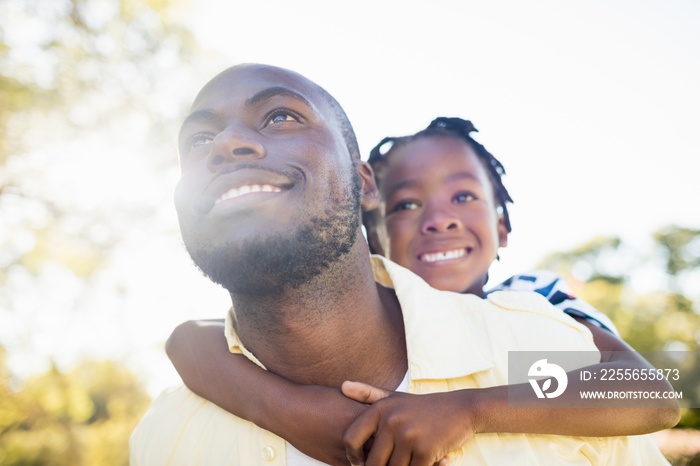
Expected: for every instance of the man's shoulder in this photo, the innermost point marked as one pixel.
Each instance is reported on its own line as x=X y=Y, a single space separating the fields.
x=178 y=396
x=524 y=301
x=530 y=316
x=169 y=413
x=181 y=428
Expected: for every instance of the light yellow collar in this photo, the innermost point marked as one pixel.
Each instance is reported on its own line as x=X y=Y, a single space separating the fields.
x=439 y=326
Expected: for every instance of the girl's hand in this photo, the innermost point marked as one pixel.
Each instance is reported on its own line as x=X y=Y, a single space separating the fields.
x=415 y=430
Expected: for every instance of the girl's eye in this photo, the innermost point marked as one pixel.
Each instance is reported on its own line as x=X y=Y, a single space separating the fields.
x=462 y=198
x=280 y=116
x=405 y=205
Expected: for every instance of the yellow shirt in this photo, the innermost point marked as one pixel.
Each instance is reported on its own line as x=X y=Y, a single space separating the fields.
x=453 y=341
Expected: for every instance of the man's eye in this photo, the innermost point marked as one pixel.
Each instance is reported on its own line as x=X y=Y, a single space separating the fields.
x=462 y=198
x=280 y=116
x=200 y=140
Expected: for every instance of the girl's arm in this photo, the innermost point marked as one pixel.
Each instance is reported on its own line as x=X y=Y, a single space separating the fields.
x=585 y=418
x=312 y=418
x=430 y=426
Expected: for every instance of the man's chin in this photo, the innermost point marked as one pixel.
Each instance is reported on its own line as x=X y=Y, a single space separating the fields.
x=258 y=262
x=271 y=265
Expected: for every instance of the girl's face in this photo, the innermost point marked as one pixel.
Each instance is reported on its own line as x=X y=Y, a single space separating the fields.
x=439 y=214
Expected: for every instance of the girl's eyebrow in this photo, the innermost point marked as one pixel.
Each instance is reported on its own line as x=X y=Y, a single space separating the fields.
x=406 y=183
x=411 y=182
x=462 y=176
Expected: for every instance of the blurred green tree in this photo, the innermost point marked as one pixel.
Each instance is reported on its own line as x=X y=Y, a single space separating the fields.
x=83 y=417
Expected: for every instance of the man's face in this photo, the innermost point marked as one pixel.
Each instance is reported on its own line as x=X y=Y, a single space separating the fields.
x=268 y=195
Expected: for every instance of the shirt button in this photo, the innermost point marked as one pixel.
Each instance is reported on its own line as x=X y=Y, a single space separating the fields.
x=268 y=453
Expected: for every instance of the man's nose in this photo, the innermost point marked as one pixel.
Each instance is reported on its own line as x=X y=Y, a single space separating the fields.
x=436 y=220
x=235 y=142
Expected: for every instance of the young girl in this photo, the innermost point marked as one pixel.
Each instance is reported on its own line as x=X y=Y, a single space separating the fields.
x=420 y=166
x=443 y=215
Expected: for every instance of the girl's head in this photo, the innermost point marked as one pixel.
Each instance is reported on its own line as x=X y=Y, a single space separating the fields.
x=443 y=211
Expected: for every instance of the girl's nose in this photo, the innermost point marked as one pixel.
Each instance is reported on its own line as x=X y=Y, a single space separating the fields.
x=439 y=221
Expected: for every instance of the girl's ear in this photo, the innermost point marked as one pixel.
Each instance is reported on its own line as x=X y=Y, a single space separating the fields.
x=502 y=231
x=370 y=192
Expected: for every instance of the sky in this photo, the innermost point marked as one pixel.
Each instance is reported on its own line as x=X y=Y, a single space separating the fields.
x=592 y=106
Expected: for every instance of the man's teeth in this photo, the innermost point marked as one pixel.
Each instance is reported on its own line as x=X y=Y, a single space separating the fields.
x=443 y=256
x=247 y=189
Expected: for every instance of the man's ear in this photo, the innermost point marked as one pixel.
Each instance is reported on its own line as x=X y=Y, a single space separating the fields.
x=374 y=237
x=370 y=192
x=502 y=231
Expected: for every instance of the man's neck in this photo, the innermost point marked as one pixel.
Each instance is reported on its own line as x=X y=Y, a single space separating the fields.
x=340 y=326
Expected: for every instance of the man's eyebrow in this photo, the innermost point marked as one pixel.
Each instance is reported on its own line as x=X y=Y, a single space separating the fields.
x=273 y=92
x=205 y=116
x=199 y=116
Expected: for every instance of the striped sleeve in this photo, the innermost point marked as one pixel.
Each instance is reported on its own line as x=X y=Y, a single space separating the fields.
x=555 y=289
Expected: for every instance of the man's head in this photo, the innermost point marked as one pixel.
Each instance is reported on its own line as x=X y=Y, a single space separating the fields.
x=270 y=192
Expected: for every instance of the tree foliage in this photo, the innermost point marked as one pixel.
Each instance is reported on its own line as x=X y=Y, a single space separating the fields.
x=83 y=417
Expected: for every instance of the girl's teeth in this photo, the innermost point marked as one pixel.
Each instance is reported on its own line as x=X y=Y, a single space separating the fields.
x=443 y=256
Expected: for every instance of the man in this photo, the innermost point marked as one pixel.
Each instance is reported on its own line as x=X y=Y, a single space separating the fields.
x=269 y=206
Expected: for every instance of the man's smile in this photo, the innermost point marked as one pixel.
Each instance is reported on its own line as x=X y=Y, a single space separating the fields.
x=245 y=185
x=234 y=193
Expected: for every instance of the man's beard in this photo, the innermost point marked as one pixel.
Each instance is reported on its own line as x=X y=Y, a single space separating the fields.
x=268 y=266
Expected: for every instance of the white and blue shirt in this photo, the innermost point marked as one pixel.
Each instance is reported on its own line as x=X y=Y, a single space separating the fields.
x=554 y=288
